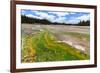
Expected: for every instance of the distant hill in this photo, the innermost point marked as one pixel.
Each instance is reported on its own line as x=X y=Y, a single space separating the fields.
x=29 y=20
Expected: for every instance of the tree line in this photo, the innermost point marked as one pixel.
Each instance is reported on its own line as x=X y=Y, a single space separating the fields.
x=29 y=20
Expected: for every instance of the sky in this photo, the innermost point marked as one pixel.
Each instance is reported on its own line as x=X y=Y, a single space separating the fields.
x=57 y=16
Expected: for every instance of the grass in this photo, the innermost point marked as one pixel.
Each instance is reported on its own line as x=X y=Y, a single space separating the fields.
x=43 y=47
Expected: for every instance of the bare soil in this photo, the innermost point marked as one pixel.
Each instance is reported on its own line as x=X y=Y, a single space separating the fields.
x=59 y=32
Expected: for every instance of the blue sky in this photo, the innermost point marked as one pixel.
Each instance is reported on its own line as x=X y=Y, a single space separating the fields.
x=60 y=17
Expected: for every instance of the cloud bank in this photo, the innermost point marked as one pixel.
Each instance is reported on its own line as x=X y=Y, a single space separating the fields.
x=59 y=17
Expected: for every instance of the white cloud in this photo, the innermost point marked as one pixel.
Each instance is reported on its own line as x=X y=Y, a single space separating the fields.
x=60 y=19
x=29 y=15
x=41 y=15
x=84 y=17
x=63 y=20
x=73 y=21
x=51 y=18
x=59 y=14
x=45 y=15
x=22 y=12
x=32 y=16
